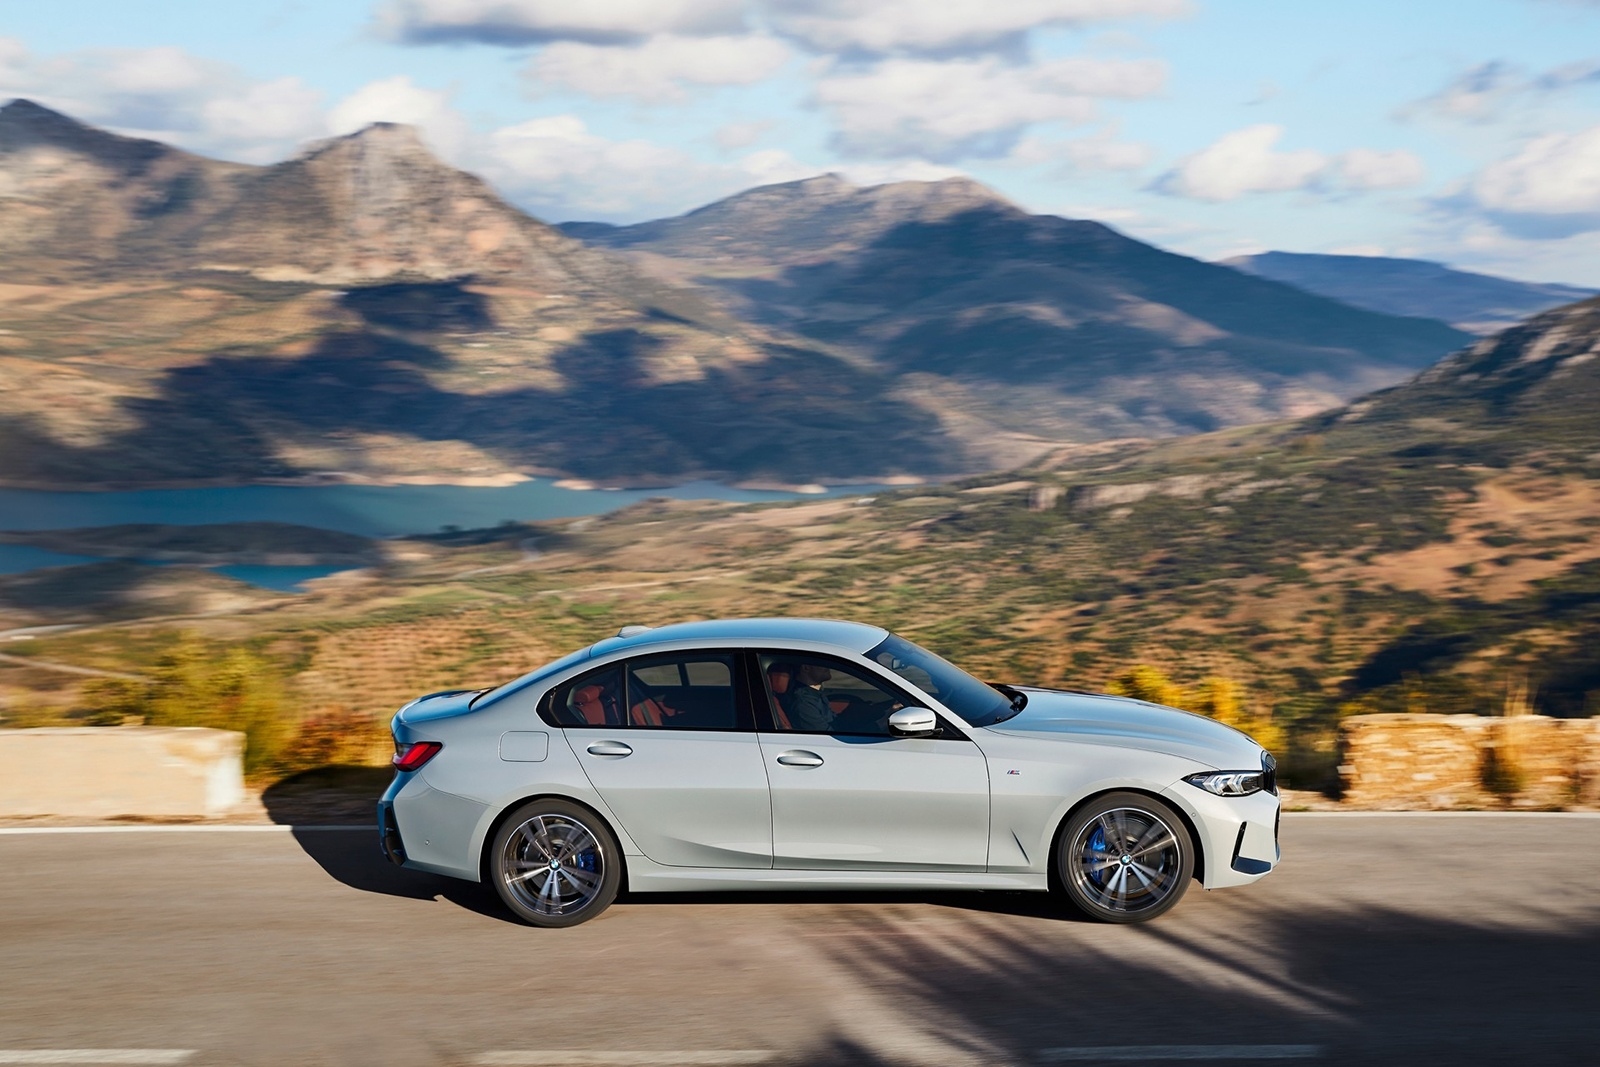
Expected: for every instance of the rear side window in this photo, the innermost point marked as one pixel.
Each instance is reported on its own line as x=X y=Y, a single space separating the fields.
x=673 y=691
x=687 y=691
x=593 y=699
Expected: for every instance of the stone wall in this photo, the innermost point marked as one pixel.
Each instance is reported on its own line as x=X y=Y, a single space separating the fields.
x=1434 y=762
x=106 y=772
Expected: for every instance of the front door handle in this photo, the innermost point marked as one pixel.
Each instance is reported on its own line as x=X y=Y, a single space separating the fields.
x=799 y=758
x=610 y=748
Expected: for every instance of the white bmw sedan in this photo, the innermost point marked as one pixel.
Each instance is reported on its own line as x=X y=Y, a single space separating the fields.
x=813 y=754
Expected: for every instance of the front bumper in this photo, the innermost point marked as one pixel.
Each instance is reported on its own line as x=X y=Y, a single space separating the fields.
x=1238 y=835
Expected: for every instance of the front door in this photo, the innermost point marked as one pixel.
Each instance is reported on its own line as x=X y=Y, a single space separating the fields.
x=668 y=742
x=846 y=794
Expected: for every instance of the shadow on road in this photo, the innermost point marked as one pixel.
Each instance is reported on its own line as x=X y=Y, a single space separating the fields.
x=1360 y=985
x=347 y=796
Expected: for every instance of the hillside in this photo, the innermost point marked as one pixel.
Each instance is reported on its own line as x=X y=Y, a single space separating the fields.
x=1477 y=303
x=970 y=298
x=1432 y=547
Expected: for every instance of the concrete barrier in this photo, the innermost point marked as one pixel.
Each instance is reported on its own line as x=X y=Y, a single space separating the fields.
x=105 y=772
x=1440 y=762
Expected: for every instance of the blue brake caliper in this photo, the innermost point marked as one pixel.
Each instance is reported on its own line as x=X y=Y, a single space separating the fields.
x=1097 y=843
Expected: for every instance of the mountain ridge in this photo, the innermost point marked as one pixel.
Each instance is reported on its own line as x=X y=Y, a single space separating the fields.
x=1477 y=303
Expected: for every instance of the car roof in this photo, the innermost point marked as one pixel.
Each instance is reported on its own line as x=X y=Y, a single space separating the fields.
x=855 y=636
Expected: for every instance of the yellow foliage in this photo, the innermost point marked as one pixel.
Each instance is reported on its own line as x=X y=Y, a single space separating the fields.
x=1143 y=682
x=197 y=684
x=1217 y=697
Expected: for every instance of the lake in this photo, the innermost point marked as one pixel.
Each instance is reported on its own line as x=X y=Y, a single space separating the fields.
x=368 y=510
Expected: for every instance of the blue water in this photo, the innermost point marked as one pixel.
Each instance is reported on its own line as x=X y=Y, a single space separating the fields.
x=14 y=559
x=368 y=510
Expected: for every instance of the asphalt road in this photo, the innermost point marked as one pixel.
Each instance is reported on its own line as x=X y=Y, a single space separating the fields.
x=1382 y=940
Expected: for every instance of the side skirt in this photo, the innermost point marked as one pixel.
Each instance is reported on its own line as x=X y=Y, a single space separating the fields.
x=647 y=877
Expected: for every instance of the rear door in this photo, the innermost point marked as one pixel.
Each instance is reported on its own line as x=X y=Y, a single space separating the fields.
x=669 y=742
x=846 y=794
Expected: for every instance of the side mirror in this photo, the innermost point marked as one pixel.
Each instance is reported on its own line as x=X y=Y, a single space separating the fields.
x=913 y=722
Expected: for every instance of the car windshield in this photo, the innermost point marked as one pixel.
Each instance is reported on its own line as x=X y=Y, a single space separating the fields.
x=978 y=703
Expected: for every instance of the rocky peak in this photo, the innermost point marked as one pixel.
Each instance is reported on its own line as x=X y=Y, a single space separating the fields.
x=26 y=125
x=387 y=141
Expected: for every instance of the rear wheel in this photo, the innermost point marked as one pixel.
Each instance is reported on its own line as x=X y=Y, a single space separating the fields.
x=555 y=863
x=1125 y=858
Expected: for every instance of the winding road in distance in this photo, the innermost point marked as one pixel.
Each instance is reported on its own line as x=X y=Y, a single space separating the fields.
x=1383 y=939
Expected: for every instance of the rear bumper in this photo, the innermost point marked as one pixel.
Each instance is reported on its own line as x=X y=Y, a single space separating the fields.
x=389 y=839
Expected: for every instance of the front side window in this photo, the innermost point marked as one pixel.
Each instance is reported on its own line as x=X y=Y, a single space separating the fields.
x=821 y=695
x=978 y=703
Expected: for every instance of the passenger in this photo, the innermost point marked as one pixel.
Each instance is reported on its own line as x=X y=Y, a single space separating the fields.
x=780 y=680
x=807 y=705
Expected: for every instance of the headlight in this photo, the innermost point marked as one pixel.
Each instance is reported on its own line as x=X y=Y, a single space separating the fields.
x=1230 y=783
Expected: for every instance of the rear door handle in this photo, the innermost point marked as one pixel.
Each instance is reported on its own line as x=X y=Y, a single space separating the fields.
x=610 y=748
x=799 y=758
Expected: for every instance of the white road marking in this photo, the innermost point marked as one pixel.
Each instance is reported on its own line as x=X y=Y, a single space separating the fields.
x=682 y=1057
x=1441 y=814
x=95 y=1055
x=1168 y=1053
x=179 y=828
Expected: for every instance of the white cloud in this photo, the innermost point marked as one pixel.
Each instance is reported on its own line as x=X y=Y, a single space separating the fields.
x=1551 y=187
x=742 y=134
x=1490 y=91
x=398 y=99
x=944 y=111
x=1244 y=161
x=1366 y=250
x=1476 y=95
x=874 y=27
x=261 y=118
x=170 y=95
x=519 y=22
x=1104 y=151
x=1369 y=168
x=907 y=170
x=660 y=68
x=946 y=27
x=563 y=170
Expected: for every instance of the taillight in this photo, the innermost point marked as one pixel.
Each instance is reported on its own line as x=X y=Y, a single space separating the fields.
x=410 y=757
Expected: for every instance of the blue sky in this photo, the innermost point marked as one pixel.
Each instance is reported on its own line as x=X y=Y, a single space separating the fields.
x=1466 y=131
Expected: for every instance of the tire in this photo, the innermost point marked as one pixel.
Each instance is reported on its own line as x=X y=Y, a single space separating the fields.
x=1124 y=858
x=555 y=863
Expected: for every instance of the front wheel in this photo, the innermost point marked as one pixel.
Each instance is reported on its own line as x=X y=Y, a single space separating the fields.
x=1125 y=858
x=555 y=863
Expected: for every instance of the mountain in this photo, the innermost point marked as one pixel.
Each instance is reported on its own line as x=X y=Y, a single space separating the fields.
x=1477 y=303
x=970 y=297
x=365 y=311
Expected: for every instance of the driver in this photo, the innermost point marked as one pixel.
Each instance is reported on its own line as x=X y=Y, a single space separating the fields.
x=807 y=706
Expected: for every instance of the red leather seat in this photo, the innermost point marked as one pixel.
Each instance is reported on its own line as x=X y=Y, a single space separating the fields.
x=590 y=702
x=649 y=712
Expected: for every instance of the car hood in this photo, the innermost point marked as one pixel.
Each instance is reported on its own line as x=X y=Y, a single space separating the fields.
x=445 y=705
x=1109 y=720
